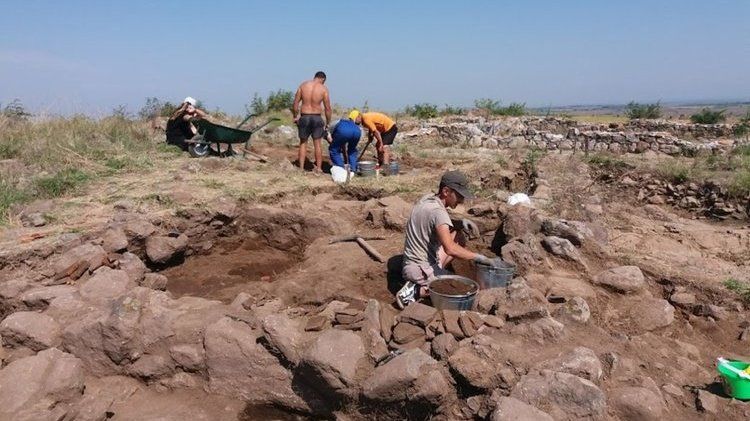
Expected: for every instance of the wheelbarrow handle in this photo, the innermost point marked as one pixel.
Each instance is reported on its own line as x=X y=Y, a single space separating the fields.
x=249 y=116
x=269 y=121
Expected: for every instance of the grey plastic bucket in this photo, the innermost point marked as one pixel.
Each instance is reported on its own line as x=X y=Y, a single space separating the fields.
x=454 y=302
x=393 y=168
x=498 y=276
x=366 y=168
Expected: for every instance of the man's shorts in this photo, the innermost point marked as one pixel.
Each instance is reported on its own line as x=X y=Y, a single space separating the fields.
x=390 y=135
x=422 y=275
x=310 y=124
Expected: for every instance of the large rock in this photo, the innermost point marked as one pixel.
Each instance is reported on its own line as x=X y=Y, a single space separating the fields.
x=443 y=346
x=34 y=330
x=512 y=409
x=418 y=314
x=105 y=285
x=133 y=266
x=114 y=240
x=334 y=357
x=581 y=362
x=575 y=310
x=622 y=279
x=521 y=220
x=93 y=255
x=191 y=357
x=161 y=249
x=399 y=379
x=40 y=297
x=637 y=403
x=563 y=395
x=563 y=248
x=565 y=229
x=650 y=313
x=476 y=370
x=523 y=252
x=31 y=387
x=240 y=366
x=155 y=281
x=284 y=334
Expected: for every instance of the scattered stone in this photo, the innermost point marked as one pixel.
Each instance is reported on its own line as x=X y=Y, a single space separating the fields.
x=711 y=310
x=651 y=313
x=512 y=409
x=477 y=371
x=623 y=279
x=450 y=322
x=387 y=320
x=334 y=356
x=467 y=324
x=443 y=346
x=684 y=300
x=493 y=321
x=521 y=220
x=190 y=357
x=575 y=310
x=40 y=297
x=706 y=402
x=406 y=332
x=114 y=240
x=283 y=333
x=316 y=323
x=34 y=330
x=565 y=395
x=34 y=219
x=418 y=314
x=138 y=229
x=672 y=390
x=155 y=281
x=637 y=403
x=94 y=255
x=561 y=247
x=412 y=374
x=563 y=229
x=150 y=367
x=38 y=383
x=581 y=362
x=542 y=330
x=487 y=300
x=133 y=266
x=161 y=249
x=105 y=285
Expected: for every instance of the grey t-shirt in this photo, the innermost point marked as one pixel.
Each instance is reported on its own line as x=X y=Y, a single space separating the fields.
x=421 y=244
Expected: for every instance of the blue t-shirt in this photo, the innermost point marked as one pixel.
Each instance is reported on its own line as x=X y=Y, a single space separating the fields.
x=346 y=129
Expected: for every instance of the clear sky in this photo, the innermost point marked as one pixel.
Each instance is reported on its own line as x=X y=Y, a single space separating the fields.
x=90 y=56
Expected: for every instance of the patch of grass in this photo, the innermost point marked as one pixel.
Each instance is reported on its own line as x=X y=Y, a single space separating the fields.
x=676 y=172
x=708 y=116
x=158 y=198
x=9 y=195
x=529 y=163
x=501 y=161
x=213 y=183
x=491 y=106
x=598 y=118
x=422 y=111
x=60 y=183
x=742 y=289
x=740 y=184
x=607 y=161
x=635 y=110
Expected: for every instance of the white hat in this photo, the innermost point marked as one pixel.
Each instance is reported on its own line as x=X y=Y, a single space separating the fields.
x=190 y=100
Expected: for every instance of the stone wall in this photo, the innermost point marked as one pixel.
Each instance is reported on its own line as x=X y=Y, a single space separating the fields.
x=555 y=133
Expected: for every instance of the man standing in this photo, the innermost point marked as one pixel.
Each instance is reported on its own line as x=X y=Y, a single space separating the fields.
x=383 y=129
x=432 y=238
x=307 y=118
x=344 y=138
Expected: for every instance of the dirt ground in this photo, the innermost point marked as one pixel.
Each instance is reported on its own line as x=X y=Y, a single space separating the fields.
x=278 y=247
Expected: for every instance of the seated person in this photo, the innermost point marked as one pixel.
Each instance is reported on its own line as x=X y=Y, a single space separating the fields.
x=433 y=239
x=179 y=125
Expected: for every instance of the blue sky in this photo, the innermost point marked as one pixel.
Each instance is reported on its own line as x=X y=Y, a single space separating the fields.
x=90 y=56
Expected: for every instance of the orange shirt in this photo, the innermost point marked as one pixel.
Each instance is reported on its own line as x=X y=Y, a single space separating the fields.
x=377 y=122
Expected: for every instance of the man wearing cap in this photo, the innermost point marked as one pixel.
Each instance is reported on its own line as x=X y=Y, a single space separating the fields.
x=179 y=125
x=345 y=135
x=383 y=129
x=311 y=94
x=433 y=239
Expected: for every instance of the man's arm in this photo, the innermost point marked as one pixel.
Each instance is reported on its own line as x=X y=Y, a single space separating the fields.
x=295 y=105
x=452 y=248
x=327 y=106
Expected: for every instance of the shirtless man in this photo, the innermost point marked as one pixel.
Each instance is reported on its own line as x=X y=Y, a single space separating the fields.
x=307 y=118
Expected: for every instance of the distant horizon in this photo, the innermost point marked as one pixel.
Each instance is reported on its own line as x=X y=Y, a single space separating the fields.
x=91 y=57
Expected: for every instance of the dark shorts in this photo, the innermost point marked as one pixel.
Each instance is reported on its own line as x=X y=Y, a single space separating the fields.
x=310 y=124
x=390 y=135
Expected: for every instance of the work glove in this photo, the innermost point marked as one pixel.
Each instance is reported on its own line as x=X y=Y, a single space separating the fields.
x=469 y=228
x=481 y=259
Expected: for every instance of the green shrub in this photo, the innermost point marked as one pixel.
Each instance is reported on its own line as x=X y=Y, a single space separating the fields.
x=743 y=127
x=742 y=289
x=9 y=195
x=495 y=107
x=422 y=111
x=257 y=105
x=15 y=110
x=154 y=107
x=635 y=110
x=280 y=100
x=708 y=116
x=676 y=173
x=529 y=163
x=452 y=110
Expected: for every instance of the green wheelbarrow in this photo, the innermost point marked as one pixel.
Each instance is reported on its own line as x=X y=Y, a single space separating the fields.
x=209 y=133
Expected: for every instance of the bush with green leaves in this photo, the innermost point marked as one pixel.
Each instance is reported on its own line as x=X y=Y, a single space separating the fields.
x=155 y=107
x=635 y=110
x=515 y=109
x=280 y=100
x=708 y=116
x=743 y=127
x=452 y=110
x=257 y=105
x=422 y=111
x=15 y=110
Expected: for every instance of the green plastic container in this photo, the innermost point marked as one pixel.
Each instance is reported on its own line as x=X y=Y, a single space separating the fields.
x=734 y=385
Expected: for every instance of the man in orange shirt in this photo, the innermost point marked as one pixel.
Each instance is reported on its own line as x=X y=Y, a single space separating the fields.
x=384 y=130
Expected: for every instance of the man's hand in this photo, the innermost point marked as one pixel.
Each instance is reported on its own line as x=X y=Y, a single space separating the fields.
x=296 y=120
x=379 y=146
x=470 y=228
x=482 y=260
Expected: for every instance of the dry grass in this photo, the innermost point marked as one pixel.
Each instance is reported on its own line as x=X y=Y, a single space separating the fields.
x=600 y=118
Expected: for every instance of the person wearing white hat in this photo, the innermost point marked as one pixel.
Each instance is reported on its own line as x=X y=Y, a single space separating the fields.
x=179 y=126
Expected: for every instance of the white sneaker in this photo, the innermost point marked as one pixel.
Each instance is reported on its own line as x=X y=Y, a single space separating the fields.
x=406 y=295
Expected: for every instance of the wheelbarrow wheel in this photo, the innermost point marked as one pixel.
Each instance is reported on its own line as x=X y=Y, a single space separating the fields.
x=199 y=150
